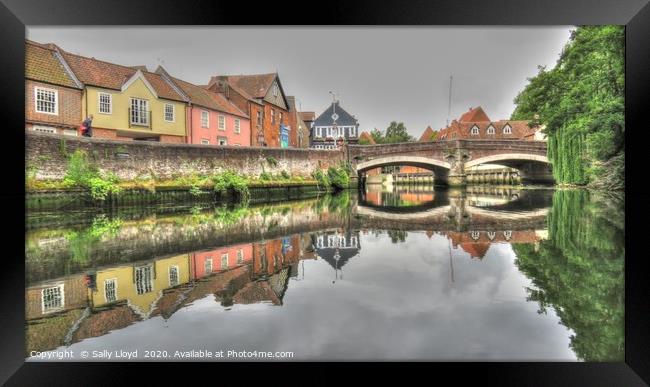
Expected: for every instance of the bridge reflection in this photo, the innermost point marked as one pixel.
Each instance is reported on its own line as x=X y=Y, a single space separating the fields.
x=247 y=259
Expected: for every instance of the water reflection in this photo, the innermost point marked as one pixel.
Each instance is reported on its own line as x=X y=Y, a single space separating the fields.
x=454 y=267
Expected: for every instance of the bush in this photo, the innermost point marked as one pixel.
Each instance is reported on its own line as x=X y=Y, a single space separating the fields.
x=82 y=173
x=339 y=178
x=285 y=175
x=232 y=183
x=321 y=178
x=265 y=176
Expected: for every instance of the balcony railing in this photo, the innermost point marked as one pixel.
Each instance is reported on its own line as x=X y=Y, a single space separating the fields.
x=140 y=122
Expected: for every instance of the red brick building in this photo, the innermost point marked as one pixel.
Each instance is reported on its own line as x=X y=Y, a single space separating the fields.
x=52 y=92
x=260 y=96
x=475 y=124
x=299 y=134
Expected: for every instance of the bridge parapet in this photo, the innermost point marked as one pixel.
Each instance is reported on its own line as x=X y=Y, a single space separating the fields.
x=449 y=159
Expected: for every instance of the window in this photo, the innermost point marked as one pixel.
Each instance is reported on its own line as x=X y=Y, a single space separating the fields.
x=173 y=276
x=475 y=130
x=507 y=129
x=143 y=276
x=46 y=100
x=490 y=129
x=491 y=234
x=169 y=112
x=240 y=256
x=224 y=261
x=275 y=89
x=205 y=141
x=105 y=103
x=259 y=118
x=52 y=299
x=207 y=266
x=44 y=129
x=237 y=125
x=222 y=122
x=272 y=116
x=110 y=290
x=70 y=132
x=475 y=235
x=205 y=119
x=353 y=131
x=222 y=141
x=139 y=112
x=280 y=117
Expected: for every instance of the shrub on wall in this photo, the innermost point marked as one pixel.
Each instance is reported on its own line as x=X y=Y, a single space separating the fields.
x=82 y=173
x=231 y=183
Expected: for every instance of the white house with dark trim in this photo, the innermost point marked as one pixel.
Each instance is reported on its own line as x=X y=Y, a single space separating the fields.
x=333 y=126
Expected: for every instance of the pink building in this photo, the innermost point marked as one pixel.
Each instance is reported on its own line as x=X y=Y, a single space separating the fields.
x=211 y=118
x=223 y=258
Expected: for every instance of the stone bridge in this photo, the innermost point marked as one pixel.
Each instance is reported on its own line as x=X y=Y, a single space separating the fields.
x=448 y=160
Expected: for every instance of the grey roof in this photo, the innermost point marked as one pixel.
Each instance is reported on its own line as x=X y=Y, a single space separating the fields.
x=344 y=119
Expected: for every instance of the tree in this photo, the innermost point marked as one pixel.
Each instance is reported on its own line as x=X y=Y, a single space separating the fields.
x=396 y=132
x=581 y=103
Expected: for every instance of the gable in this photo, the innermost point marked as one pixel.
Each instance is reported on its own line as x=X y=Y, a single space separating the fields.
x=275 y=96
x=344 y=118
x=139 y=87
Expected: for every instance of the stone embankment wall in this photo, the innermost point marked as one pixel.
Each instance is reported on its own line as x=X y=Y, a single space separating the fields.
x=46 y=158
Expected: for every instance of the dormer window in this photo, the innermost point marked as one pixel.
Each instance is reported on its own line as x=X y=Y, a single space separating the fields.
x=490 y=129
x=507 y=129
x=275 y=89
x=475 y=130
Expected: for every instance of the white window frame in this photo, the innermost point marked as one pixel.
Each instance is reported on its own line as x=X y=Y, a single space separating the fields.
x=240 y=256
x=44 y=129
x=99 y=103
x=509 y=129
x=70 y=132
x=237 y=125
x=475 y=131
x=207 y=263
x=146 y=112
x=224 y=256
x=178 y=275
x=61 y=290
x=221 y=123
x=56 y=100
x=173 y=111
x=205 y=141
x=106 y=282
x=225 y=140
x=205 y=119
x=491 y=130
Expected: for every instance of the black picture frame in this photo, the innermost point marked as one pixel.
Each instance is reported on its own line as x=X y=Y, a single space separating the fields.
x=634 y=14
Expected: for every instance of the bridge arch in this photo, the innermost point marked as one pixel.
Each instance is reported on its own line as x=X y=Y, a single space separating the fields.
x=416 y=161
x=507 y=158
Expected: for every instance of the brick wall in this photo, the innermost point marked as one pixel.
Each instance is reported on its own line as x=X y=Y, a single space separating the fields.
x=128 y=160
x=69 y=106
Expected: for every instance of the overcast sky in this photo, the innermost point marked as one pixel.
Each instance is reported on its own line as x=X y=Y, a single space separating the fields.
x=380 y=74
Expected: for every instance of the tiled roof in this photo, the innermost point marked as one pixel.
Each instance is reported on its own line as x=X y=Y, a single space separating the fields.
x=94 y=72
x=307 y=116
x=426 y=135
x=473 y=115
x=476 y=250
x=255 y=85
x=208 y=99
x=365 y=135
x=42 y=64
x=520 y=129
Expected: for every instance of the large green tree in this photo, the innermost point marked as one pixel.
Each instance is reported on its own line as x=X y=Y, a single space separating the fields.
x=396 y=132
x=581 y=103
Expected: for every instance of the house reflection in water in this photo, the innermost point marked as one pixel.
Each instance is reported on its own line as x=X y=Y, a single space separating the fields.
x=67 y=310
x=477 y=243
x=337 y=247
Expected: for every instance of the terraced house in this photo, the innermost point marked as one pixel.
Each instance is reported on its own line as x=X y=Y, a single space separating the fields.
x=261 y=96
x=211 y=118
x=52 y=92
x=128 y=103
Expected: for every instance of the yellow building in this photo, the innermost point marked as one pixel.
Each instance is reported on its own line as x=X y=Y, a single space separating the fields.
x=142 y=284
x=129 y=103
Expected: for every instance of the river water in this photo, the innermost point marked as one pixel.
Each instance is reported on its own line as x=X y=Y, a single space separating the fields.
x=407 y=273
